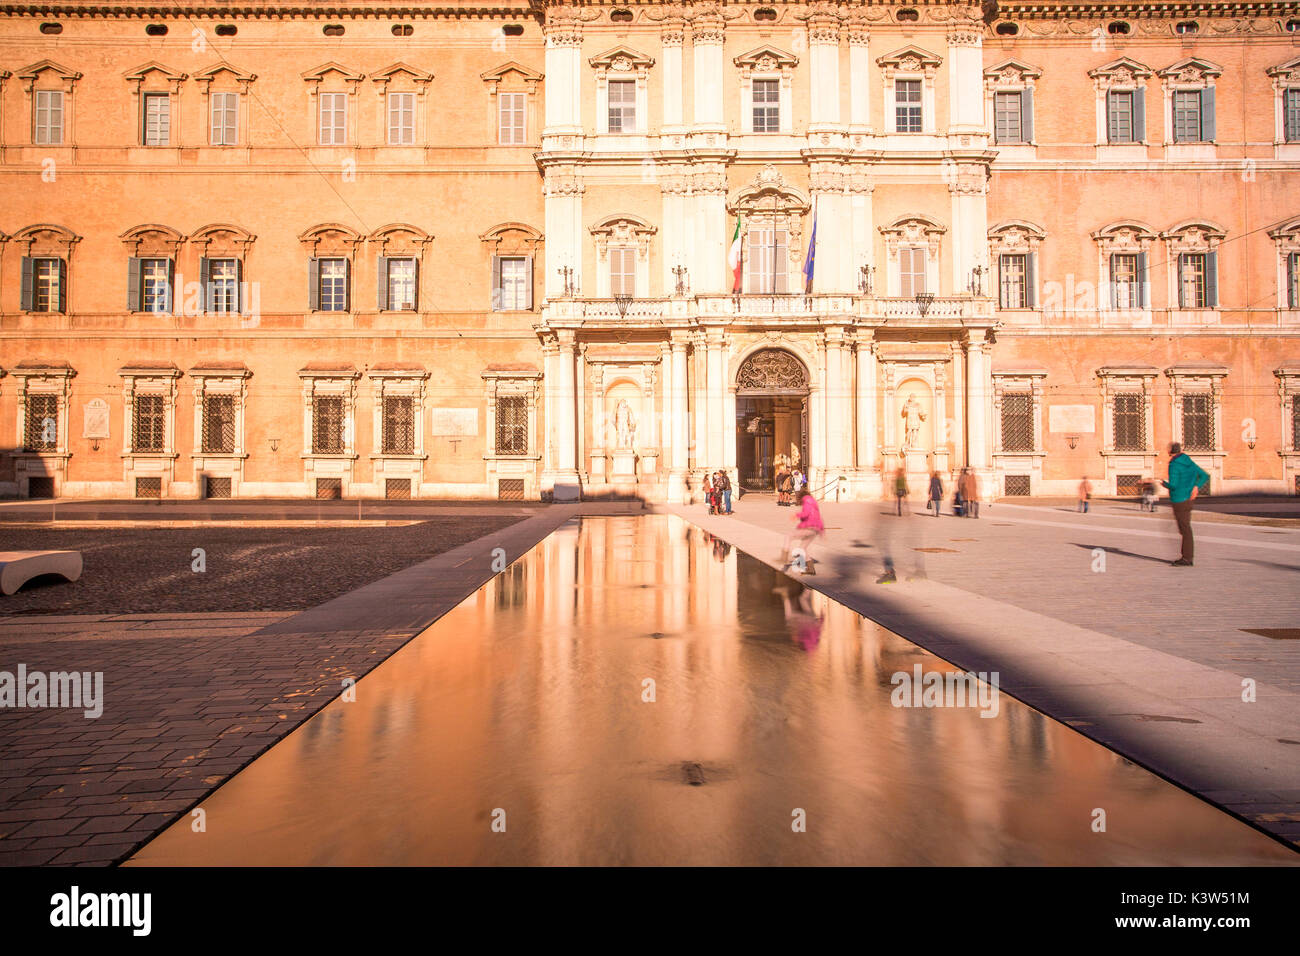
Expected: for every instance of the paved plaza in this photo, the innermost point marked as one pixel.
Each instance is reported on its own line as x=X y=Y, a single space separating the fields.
x=1081 y=615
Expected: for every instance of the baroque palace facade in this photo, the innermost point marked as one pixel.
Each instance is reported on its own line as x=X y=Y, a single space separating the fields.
x=559 y=247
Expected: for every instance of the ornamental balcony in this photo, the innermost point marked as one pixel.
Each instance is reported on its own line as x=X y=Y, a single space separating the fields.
x=791 y=308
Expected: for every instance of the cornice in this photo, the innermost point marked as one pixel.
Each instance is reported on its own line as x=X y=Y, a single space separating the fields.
x=271 y=11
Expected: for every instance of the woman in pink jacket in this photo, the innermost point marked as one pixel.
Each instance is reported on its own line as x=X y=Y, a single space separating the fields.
x=808 y=527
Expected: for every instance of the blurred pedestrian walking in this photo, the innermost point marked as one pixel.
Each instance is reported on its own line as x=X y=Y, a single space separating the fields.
x=808 y=528
x=1085 y=493
x=970 y=493
x=936 y=492
x=900 y=488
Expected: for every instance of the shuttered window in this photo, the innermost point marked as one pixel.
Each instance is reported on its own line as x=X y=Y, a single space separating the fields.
x=333 y=285
x=622 y=271
x=221 y=284
x=225 y=119
x=911 y=271
x=1124 y=119
x=1187 y=116
x=768 y=261
x=1006 y=118
x=400 y=282
x=1292 y=110
x=512 y=282
x=155 y=285
x=157 y=119
x=1013 y=281
x=1192 y=284
x=1125 y=281
x=333 y=118
x=48 y=129
x=401 y=119
x=43 y=285
x=510 y=119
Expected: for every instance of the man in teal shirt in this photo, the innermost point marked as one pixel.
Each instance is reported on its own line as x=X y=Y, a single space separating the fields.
x=1185 y=480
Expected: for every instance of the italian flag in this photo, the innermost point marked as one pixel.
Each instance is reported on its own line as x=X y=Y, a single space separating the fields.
x=734 y=259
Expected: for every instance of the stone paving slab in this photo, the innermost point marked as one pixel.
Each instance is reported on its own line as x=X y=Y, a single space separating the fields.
x=187 y=708
x=1058 y=636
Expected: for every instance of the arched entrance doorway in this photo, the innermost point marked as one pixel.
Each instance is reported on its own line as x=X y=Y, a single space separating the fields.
x=771 y=417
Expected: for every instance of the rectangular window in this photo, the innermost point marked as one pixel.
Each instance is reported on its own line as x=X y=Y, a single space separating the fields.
x=1007 y=127
x=622 y=271
x=47 y=285
x=766 y=96
x=147 y=429
x=768 y=261
x=1191 y=281
x=1291 y=107
x=225 y=119
x=1119 y=117
x=219 y=424
x=510 y=119
x=907 y=106
x=41 y=429
x=157 y=119
x=1130 y=424
x=333 y=119
x=401 y=119
x=512 y=425
x=911 y=271
x=622 y=106
x=1198 y=423
x=1017 y=421
x=1124 y=281
x=333 y=285
x=511 y=293
x=223 y=285
x=1013 y=292
x=49 y=118
x=1295 y=422
x=327 y=425
x=1187 y=116
x=1293 y=280
x=399 y=425
x=155 y=285
x=402 y=294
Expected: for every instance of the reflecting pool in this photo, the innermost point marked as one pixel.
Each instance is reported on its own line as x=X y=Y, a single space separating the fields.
x=635 y=691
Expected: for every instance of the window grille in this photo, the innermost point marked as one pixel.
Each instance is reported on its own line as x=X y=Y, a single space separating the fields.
x=397 y=489
x=1128 y=485
x=217 y=488
x=399 y=425
x=327 y=425
x=42 y=425
x=1130 y=423
x=329 y=489
x=1017 y=422
x=510 y=489
x=1198 y=423
x=147 y=434
x=512 y=425
x=219 y=424
x=1016 y=486
x=148 y=487
x=40 y=487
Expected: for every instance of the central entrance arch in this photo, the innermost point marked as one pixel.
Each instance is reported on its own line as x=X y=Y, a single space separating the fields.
x=771 y=417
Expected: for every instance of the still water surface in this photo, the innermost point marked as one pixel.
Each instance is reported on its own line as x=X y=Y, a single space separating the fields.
x=528 y=706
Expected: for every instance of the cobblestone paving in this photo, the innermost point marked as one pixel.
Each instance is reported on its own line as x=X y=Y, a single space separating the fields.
x=144 y=570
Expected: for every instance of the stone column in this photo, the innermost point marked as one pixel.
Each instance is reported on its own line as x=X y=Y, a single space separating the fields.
x=716 y=399
x=861 y=73
x=709 y=103
x=965 y=80
x=672 y=36
x=940 y=416
x=838 y=407
x=961 y=450
x=563 y=78
x=678 y=421
x=824 y=72
x=566 y=463
x=599 y=433
x=699 y=395
x=868 y=440
x=979 y=399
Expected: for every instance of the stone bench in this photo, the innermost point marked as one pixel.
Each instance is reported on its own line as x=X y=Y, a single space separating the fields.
x=19 y=567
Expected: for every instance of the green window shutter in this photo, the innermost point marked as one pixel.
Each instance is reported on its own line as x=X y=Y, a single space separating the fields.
x=1211 y=280
x=171 y=284
x=1144 y=280
x=1112 y=118
x=1293 y=281
x=416 y=265
x=1139 y=116
x=63 y=286
x=347 y=285
x=313 y=284
x=239 y=286
x=496 y=283
x=1114 y=286
x=205 y=282
x=133 y=284
x=27 y=293
x=1207 y=114
x=1027 y=115
x=1031 y=280
x=383 y=284
x=528 y=282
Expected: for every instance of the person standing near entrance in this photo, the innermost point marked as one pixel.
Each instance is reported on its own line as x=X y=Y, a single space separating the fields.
x=724 y=482
x=970 y=493
x=1184 y=484
x=936 y=492
x=1085 y=492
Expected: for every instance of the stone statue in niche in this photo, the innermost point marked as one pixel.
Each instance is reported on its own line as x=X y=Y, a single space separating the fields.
x=625 y=424
x=912 y=418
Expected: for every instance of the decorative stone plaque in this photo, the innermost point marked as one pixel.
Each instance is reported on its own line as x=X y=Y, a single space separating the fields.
x=1072 y=418
x=95 y=422
x=454 y=422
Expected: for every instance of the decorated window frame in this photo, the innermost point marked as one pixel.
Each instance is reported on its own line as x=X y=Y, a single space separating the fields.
x=909 y=63
x=1199 y=380
x=334 y=78
x=1286 y=242
x=622 y=63
x=1011 y=76
x=1015 y=238
x=226 y=79
x=1190 y=75
x=1127 y=238
x=913 y=231
x=767 y=63
x=48 y=76
x=512 y=78
x=623 y=232
x=1193 y=238
x=154 y=79
x=402 y=78
x=1124 y=75
x=1284 y=77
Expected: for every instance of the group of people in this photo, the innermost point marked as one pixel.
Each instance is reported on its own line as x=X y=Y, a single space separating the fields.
x=966 y=500
x=717 y=491
x=788 y=481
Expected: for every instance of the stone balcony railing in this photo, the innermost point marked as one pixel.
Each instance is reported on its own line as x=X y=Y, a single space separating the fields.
x=946 y=310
